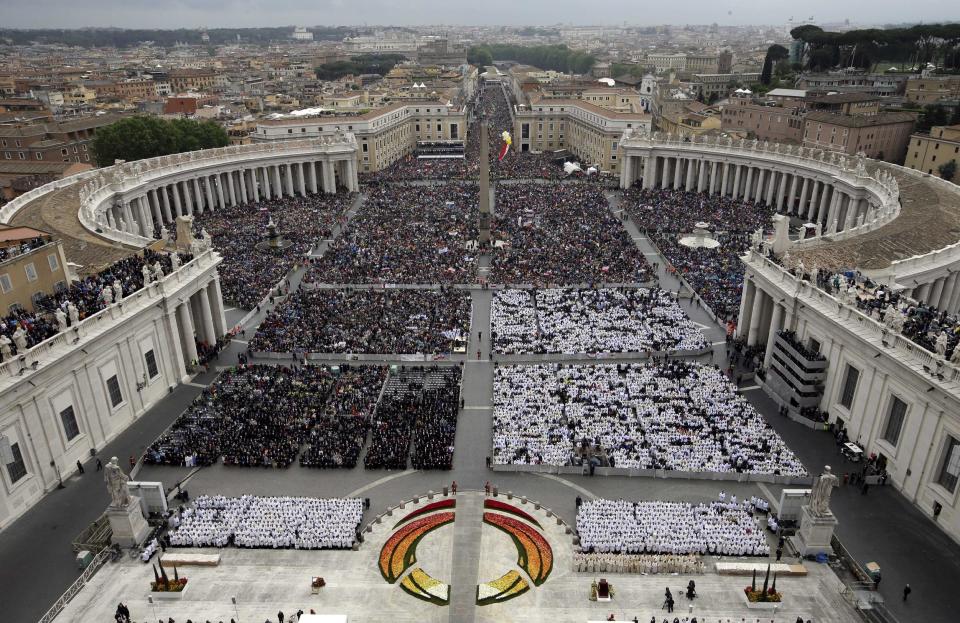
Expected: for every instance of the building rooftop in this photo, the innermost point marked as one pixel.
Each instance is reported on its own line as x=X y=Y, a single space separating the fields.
x=929 y=220
x=843 y=98
x=860 y=121
x=787 y=93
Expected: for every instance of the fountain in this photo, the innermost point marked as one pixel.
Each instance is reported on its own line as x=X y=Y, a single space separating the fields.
x=275 y=241
x=701 y=238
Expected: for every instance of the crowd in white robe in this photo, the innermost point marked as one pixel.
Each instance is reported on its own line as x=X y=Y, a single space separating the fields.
x=674 y=415
x=268 y=522
x=657 y=527
x=608 y=320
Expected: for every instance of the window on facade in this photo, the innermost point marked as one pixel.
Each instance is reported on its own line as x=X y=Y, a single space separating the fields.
x=898 y=411
x=53 y=262
x=31 y=271
x=69 y=420
x=18 y=468
x=151 y=360
x=849 y=386
x=950 y=465
x=113 y=388
x=5 y=284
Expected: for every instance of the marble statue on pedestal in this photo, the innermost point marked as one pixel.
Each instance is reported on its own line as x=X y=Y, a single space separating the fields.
x=116 y=483
x=117 y=290
x=7 y=352
x=20 y=339
x=174 y=261
x=820 y=492
x=954 y=358
x=941 y=344
x=74 y=314
x=164 y=234
x=61 y=320
x=107 y=295
x=146 y=274
x=157 y=270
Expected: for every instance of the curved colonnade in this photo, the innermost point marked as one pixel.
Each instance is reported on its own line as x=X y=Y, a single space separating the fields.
x=896 y=399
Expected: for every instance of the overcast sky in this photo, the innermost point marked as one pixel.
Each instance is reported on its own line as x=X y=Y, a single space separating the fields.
x=247 y=13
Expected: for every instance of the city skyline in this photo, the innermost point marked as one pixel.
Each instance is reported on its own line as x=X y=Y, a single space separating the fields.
x=253 y=13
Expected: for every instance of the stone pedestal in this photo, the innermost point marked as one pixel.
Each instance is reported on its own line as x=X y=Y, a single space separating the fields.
x=815 y=533
x=128 y=524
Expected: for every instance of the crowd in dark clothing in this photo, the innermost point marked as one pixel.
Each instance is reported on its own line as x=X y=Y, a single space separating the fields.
x=406 y=234
x=23 y=246
x=248 y=273
x=562 y=234
x=716 y=275
x=86 y=294
x=366 y=321
x=262 y=415
x=419 y=406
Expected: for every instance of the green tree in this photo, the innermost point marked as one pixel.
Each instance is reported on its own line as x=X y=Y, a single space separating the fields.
x=947 y=170
x=775 y=53
x=931 y=115
x=139 y=137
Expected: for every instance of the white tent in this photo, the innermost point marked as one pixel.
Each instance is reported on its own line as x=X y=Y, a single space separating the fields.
x=571 y=167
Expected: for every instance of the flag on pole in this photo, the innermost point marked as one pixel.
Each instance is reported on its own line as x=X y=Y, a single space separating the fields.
x=507 y=141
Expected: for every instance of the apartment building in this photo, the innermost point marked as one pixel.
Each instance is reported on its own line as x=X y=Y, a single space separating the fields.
x=933 y=89
x=32 y=264
x=67 y=141
x=929 y=152
x=883 y=136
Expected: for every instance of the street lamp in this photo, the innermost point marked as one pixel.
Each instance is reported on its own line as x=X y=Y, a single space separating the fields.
x=152 y=605
x=235 y=611
x=53 y=464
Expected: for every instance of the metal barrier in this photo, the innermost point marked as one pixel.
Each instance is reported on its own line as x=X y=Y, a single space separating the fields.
x=76 y=587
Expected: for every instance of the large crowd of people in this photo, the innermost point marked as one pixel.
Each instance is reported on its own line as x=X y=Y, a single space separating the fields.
x=263 y=415
x=561 y=234
x=268 y=522
x=715 y=274
x=567 y=320
x=416 y=417
x=723 y=527
x=88 y=296
x=248 y=273
x=674 y=415
x=406 y=234
x=366 y=321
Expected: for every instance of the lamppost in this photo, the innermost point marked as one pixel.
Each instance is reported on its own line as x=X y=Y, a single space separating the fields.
x=53 y=464
x=152 y=605
x=235 y=611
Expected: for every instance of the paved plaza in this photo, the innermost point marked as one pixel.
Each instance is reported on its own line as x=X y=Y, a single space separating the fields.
x=882 y=526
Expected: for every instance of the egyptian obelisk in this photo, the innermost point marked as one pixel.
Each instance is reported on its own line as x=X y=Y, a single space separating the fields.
x=484 y=186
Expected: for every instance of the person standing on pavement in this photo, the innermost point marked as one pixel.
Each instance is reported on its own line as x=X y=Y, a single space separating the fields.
x=99 y=464
x=79 y=467
x=906 y=591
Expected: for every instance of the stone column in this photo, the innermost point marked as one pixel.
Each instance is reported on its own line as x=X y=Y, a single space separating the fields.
x=792 y=195
x=748 y=191
x=802 y=205
x=208 y=193
x=702 y=176
x=277 y=184
x=746 y=307
x=216 y=304
x=231 y=191
x=312 y=174
x=755 y=314
x=108 y=213
x=664 y=172
x=155 y=205
x=954 y=301
x=165 y=198
x=723 y=179
x=713 y=177
x=736 y=181
x=850 y=220
x=814 y=197
x=289 y=180
x=218 y=183
x=774 y=327
x=833 y=213
x=825 y=199
x=937 y=291
x=198 y=195
x=782 y=192
x=244 y=197
x=352 y=184
x=329 y=183
x=771 y=187
x=188 y=197
x=209 y=332
x=128 y=217
x=177 y=204
x=677 y=172
x=143 y=215
x=922 y=292
x=174 y=341
x=186 y=331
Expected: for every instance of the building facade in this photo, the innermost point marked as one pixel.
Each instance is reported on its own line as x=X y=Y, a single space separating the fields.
x=883 y=136
x=928 y=152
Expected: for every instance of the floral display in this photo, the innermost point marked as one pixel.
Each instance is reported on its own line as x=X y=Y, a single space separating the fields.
x=422 y=586
x=399 y=552
x=509 y=508
x=429 y=508
x=506 y=587
x=535 y=554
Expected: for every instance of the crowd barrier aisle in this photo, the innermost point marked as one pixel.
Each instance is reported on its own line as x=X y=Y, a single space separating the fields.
x=577 y=470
